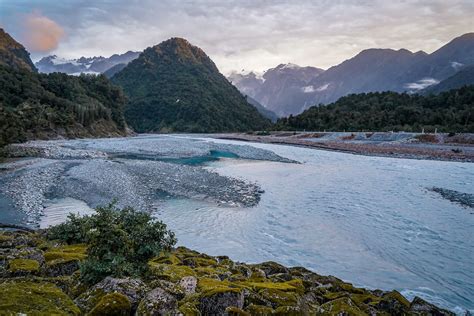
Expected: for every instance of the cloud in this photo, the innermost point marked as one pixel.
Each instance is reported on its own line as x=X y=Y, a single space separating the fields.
x=421 y=84
x=41 y=34
x=253 y=35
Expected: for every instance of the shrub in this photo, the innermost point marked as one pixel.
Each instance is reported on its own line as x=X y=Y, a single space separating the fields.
x=120 y=242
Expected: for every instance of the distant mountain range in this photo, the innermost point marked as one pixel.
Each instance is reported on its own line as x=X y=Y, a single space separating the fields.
x=290 y=89
x=176 y=87
x=95 y=65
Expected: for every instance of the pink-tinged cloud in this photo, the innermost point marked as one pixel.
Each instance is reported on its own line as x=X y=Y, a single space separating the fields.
x=41 y=34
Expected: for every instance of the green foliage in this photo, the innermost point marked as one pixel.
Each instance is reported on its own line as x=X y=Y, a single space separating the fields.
x=451 y=111
x=175 y=86
x=42 y=106
x=120 y=242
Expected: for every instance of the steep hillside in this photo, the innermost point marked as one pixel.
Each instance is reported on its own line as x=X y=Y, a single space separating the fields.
x=36 y=105
x=13 y=54
x=175 y=86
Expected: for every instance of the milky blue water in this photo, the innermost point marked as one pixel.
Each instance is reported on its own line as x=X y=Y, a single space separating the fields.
x=367 y=220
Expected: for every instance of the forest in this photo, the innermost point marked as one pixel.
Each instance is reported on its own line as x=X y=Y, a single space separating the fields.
x=451 y=111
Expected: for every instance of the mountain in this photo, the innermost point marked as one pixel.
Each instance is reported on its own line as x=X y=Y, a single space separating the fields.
x=390 y=111
x=13 y=54
x=463 y=77
x=34 y=105
x=175 y=86
x=372 y=70
x=95 y=65
x=262 y=110
x=280 y=88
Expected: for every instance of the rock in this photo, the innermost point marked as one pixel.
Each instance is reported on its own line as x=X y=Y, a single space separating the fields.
x=113 y=304
x=189 y=284
x=21 y=267
x=217 y=303
x=340 y=306
x=271 y=268
x=158 y=302
x=34 y=298
x=419 y=305
x=62 y=268
x=234 y=311
x=133 y=289
x=393 y=303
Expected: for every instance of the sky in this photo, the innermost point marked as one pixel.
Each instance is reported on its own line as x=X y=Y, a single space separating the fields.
x=237 y=34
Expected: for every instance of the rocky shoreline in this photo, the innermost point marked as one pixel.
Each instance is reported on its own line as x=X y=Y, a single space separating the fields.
x=445 y=147
x=39 y=276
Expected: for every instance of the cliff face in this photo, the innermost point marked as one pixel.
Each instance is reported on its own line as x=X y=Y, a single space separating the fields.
x=39 y=276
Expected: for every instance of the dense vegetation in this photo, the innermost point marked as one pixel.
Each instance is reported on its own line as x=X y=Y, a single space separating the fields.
x=13 y=54
x=120 y=242
x=451 y=111
x=42 y=106
x=175 y=86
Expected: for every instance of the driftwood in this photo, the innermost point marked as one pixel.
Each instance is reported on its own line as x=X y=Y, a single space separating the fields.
x=19 y=227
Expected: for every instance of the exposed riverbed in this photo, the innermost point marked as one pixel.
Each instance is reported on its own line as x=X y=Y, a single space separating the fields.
x=369 y=220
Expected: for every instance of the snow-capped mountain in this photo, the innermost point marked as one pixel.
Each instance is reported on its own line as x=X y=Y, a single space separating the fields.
x=84 y=64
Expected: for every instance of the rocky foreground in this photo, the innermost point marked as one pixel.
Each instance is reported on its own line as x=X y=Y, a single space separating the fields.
x=41 y=277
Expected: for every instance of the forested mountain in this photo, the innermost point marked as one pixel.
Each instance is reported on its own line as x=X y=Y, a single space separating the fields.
x=95 y=65
x=451 y=111
x=175 y=86
x=13 y=54
x=44 y=106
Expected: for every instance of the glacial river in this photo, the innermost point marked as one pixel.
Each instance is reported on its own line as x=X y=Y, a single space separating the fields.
x=371 y=221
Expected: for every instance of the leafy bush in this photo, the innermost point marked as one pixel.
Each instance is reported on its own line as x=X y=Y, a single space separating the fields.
x=120 y=242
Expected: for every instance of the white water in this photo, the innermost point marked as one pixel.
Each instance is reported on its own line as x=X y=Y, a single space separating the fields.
x=367 y=220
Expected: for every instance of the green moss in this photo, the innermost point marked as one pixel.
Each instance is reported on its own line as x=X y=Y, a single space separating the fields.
x=368 y=299
x=199 y=262
x=172 y=273
x=288 y=311
x=341 y=306
x=259 y=310
x=351 y=289
x=289 y=286
x=397 y=296
x=65 y=254
x=23 y=265
x=167 y=259
x=189 y=309
x=112 y=304
x=35 y=298
x=234 y=311
x=5 y=238
x=209 y=287
x=278 y=297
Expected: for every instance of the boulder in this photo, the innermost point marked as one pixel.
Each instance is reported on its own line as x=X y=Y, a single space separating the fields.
x=420 y=306
x=158 y=302
x=112 y=304
x=133 y=289
x=188 y=284
x=216 y=303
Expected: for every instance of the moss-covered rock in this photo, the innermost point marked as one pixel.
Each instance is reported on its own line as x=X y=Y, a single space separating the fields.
x=133 y=289
x=112 y=304
x=271 y=268
x=216 y=302
x=158 y=302
x=35 y=298
x=259 y=310
x=23 y=266
x=341 y=306
x=169 y=272
x=278 y=297
x=64 y=260
x=234 y=311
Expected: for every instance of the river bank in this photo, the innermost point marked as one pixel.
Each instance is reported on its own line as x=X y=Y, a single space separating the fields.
x=445 y=147
x=40 y=276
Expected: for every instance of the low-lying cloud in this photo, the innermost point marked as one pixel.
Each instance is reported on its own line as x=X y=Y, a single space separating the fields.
x=41 y=34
